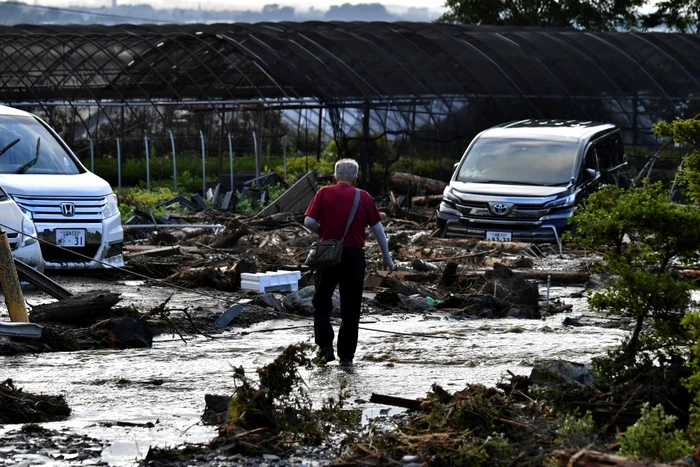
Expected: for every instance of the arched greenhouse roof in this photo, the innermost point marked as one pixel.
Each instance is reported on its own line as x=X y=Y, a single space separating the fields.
x=335 y=62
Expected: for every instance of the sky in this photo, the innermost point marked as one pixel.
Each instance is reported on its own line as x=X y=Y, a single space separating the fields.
x=246 y=4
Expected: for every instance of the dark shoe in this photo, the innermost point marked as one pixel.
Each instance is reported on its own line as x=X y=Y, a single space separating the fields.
x=346 y=362
x=326 y=354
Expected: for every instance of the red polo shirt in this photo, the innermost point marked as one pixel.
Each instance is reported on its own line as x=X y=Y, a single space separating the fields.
x=331 y=208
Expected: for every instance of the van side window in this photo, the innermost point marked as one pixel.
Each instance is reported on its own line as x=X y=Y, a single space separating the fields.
x=605 y=153
x=589 y=162
x=618 y=149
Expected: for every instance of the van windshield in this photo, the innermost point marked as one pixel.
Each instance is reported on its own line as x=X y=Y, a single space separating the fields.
x=27 y=146
x=519 y=161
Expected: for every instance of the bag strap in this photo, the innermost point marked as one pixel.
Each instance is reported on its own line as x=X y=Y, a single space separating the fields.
x=352 y=212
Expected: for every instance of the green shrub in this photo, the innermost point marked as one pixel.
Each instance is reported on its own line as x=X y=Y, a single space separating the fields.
x=493 y=451
x=300 y=165
x=654 y=437
x=691 y=322
x=578 y=431
x=687 y=134
x=139 y=198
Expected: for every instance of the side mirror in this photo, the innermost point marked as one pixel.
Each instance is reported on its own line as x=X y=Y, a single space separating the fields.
x=591 y=174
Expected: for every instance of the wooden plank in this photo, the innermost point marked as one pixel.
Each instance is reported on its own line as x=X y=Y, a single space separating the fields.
x=295 y=199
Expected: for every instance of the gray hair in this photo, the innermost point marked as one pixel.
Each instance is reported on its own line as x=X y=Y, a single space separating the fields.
x=346 y=170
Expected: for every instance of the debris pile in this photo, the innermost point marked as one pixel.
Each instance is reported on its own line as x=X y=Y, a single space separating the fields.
x=17 y=406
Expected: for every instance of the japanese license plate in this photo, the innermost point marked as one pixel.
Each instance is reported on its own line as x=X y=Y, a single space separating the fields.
x=73 y=237
x=499 y=236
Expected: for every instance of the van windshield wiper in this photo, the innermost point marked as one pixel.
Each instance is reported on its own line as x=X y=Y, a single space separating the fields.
x=29 y=164
x=7 y=148
x=512 y=182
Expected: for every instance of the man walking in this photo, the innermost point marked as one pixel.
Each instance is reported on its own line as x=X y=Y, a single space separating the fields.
x=328 y=215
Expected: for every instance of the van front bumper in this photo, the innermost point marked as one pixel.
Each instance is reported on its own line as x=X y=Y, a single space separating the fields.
x=528 y=231
x=30 y=255
x=103 y=245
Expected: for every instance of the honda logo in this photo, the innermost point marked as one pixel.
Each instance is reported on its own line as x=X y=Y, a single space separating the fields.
x=500 y=209
x=68 y=209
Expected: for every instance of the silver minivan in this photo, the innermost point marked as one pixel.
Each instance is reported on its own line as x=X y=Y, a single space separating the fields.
x=75 y=212
x=521 y=181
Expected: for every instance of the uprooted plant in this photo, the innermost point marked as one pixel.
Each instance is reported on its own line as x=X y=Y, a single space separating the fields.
x=271 y=415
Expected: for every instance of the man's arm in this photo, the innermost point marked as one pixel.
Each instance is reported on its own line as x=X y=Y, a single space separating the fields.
x=312 y=224
x=378 y=230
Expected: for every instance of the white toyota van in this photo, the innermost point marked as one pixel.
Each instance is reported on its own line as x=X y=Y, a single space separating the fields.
x=75 y=212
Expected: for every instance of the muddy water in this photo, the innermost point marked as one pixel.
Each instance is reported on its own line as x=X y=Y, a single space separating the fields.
x=166 y=385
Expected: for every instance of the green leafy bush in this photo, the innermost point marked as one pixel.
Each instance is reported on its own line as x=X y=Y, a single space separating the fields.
x=691 y=322
x=130 y=198
x=298 y=166
x=578 y=431
x=687 y=134
x=654 y=437
x=643 y=289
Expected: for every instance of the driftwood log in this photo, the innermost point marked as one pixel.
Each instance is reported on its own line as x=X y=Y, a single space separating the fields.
x=410 y=184
x=557 y=277
x=431 y=200
x=411 y=404
x=78 y=309
x=589 y=458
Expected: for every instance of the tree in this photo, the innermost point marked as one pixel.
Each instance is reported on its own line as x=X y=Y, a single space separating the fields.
x=687 y=134
x=677 y=15
x=660 y=233
x=590 y=15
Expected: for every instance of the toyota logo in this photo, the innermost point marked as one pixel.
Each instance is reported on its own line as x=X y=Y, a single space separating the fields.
x=68 y=209
x=500 y=209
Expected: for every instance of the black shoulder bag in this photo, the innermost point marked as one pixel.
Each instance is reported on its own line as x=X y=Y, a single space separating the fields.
x=328 y=253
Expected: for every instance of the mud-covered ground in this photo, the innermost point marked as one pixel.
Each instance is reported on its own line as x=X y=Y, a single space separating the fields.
x=125 y=401
x=131 y=399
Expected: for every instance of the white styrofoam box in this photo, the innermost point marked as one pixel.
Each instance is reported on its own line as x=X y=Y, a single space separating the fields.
x=281 y=280
x=270 y=288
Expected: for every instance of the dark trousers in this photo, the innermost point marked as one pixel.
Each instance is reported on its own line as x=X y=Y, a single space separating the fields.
x=349 y=275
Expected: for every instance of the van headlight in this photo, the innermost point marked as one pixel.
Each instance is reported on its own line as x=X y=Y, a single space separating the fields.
x=562 y=202
x=111 y=206
x=28 y=232
x=27 y=212
x=448 y=195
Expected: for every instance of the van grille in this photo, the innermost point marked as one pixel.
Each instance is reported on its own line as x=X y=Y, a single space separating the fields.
x=49 y=209
x=53 y=254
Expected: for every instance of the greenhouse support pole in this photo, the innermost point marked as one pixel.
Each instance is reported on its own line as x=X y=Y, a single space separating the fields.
x=319 y=134
x=230 y=159
x=261 y=127
x=119 y=165
x=255 y=154
x=284 y=156
x=172 y=144
x=92 y=156
x=204 y=167
x=148 y=165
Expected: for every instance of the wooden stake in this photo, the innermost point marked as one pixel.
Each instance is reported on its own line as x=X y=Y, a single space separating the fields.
x=9 y=281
